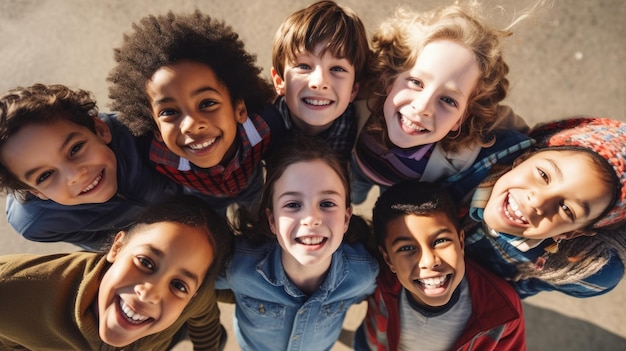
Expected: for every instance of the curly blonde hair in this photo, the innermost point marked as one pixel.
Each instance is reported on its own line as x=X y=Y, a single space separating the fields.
x=397 y=43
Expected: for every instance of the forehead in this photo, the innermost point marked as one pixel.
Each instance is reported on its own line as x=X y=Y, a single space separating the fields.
x=192 y=74
x=417 y=227
x=309 y=175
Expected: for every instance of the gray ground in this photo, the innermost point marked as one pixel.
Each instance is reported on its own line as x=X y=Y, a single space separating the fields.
x=566 y=60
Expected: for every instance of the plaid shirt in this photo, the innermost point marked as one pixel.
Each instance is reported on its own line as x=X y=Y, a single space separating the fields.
x=220 y=181
x=501 y=253
x=341 y=135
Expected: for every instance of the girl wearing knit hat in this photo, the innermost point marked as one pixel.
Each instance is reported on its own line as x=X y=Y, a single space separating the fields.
x=556 y=220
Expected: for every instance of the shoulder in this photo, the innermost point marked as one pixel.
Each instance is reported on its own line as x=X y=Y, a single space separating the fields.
x=37 y=267
x=489 y=287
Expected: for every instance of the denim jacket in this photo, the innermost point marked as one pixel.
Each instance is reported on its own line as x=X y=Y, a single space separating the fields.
x=271 y=313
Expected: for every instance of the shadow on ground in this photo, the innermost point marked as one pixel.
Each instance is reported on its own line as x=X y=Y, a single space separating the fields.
x=566 y=333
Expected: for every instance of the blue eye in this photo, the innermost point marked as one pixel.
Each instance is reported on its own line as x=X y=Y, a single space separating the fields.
x=43 y=177
x=449 y=101
x=327 y=204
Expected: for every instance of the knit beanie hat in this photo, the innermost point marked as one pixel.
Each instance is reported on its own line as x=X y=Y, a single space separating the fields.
x=604 y=137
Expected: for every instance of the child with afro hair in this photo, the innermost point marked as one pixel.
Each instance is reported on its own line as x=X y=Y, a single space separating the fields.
x=188 y=80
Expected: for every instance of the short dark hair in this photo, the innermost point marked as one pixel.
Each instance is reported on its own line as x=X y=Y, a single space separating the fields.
x=411 y=197
x=36 y=105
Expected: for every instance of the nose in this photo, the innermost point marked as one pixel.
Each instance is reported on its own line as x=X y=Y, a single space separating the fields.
x=75 y=174
x=317 y=79
x=191 y=124
x=148 y=292
x=312 y=217
x=423 y=104
x=541 y=202
x=429 y=259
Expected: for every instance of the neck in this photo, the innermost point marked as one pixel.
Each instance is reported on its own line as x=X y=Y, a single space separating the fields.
x=308 y=278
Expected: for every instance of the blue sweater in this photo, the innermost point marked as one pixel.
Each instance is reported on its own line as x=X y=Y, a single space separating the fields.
x=91 y=225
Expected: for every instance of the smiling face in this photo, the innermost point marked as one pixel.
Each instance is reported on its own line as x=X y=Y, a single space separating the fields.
x=310 y=214
x=550 y=193
x=426 y=102
x=317 y=89
x=426 y=254
x=63 y=161
x=194 y=113
x=153 y=276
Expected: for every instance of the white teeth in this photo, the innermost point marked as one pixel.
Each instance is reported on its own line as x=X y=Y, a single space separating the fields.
x=93 y=184
x=131 y=315
x=519 y=216
x=432 y=283
x=311 y=240
x=407 y=123
x=203 y=145
x=317 y=102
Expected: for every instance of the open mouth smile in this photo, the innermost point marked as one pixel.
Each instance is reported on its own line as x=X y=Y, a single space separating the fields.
x=433 y=283
x=411 y=126
x=317 y=102
x=93 y=184
x=130 y=315
x=203 y=145
x=512 y=211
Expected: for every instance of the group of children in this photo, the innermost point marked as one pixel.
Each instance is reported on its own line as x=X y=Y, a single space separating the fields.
x=207 y=183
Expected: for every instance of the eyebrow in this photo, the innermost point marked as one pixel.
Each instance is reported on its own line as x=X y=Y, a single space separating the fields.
x=198 y=91
x=411 y=238
x=67 y=141
x=559 y=174
x=297 y=193
x=183 y=271
x=451 y=90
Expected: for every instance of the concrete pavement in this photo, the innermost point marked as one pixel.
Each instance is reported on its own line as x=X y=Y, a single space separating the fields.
x=566 y=60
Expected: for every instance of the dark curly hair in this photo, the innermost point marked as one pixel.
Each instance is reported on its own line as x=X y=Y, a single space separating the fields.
x=159 y=41
x=40 y=104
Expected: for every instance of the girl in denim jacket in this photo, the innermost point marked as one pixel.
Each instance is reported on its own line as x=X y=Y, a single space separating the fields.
x=300 y=261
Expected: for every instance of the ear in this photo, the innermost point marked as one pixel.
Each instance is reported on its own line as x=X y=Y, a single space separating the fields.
x=241 y=111
x=383 y=252
x=102 y=130
x=462 y=240
x=279 y=83
x=355 y=91
x=118 y=242
x=271 y=220
x=347 y=219
x=39 y=194
x=458 y=123
x=157 y=135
